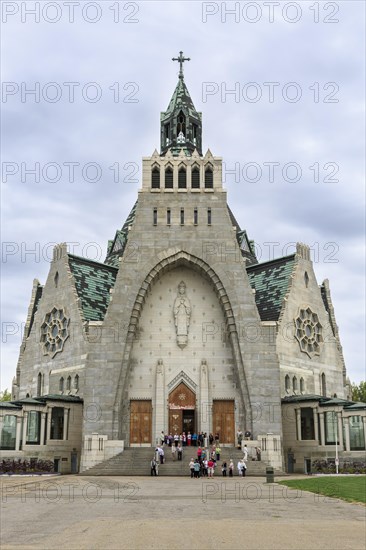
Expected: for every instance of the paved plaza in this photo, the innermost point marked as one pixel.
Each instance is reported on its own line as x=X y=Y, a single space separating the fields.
x=72 y=512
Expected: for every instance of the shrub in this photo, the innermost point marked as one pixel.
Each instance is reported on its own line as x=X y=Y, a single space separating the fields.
x=24 y=466
x=328 y=467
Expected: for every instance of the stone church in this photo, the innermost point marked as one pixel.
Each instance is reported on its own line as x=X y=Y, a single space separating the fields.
x=180 y=329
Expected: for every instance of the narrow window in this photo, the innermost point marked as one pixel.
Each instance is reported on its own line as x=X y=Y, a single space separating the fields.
x=307 y=424
x=195 y=178
x=34 y=427
x=68 y=383
x=302 y=385
x=181 y=124
x=287 y=382
x=8 y=433
x=182 y=178
x=294 y=384
x=76 y=382
x=209 y=216
x=155 y=178
x=195 y=133
x=324 y=386
x=182 y=216
x=168 y=216
x=195 y=216
x=306 y=279
x=57 y=423
x=209 y=178
x=155 y=216
x=169 y=178
x=56 y=279
x=167 y=134
x=39 y=384
x=61 y=384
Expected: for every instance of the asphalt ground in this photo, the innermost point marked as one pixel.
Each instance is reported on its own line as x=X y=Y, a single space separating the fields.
x=72 y=512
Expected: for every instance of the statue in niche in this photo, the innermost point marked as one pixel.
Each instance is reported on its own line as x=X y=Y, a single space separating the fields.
x=159 y=367
x=182 y=314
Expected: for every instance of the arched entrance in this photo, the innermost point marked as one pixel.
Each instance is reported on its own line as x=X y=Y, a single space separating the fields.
x=182 y=408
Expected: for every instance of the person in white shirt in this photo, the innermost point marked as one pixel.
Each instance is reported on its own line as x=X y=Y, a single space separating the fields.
x=245 y=451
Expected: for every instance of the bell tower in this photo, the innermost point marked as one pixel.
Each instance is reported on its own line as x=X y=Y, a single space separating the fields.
x=181 y=124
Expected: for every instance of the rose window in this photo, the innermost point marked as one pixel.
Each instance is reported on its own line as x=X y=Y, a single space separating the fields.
x=308 y=332
x=54 y=331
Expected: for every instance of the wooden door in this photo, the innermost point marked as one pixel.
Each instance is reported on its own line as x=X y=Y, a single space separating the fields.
x=181 y=400
x=223 y=421
x=175 y=421
x=140 y=422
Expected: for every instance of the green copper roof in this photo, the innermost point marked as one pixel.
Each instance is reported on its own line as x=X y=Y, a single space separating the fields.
x=9 y=405
x=65 y=398
x=300 y=398
x=181 y=100
x=35 y=306
x=93 y=282
x=271 y=281
x=325 y=401
x=117 y=245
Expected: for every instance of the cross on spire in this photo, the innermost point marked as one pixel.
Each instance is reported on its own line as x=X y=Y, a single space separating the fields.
x=181 y=59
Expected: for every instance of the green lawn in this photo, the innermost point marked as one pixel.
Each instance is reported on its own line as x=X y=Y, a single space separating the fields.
x=352 y=488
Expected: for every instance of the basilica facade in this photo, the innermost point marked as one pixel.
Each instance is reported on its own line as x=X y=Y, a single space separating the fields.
x=180 y=329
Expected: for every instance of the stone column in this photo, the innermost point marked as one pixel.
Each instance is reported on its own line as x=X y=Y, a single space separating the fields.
x=298 y=424
x=189 y=177
x=43 y=427
x=25 y=425
x=175 y=180
x=364 y=430
x=18 y=435
x=160 y=402
x=205 y=406
x=1 y=427
x=66 y=422
x=322 y=428
x=340 y=429
x=346 y=433
x=48 y=430
x=316 y=426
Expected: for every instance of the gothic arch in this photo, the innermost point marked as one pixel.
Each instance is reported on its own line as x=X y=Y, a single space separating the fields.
x=167 y=263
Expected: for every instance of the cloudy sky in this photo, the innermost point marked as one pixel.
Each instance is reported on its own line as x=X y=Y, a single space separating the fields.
x=281 y=89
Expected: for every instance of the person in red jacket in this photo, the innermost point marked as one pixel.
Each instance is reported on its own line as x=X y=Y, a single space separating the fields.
x=199 y=454
x=210 y=467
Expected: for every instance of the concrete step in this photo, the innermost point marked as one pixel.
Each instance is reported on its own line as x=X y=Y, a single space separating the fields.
x=135 y=461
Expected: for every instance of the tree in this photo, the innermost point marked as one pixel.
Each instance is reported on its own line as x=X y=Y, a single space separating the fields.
x=359 y=392
x=5 y=395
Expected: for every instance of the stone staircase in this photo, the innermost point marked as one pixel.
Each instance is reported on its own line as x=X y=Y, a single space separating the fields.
x=135 y=461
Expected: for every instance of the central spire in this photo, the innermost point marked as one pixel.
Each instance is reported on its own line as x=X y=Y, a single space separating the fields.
x=181 y=59
x=181 y=124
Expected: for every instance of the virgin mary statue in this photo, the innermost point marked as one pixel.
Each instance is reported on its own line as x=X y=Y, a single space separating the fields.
x=182 y=314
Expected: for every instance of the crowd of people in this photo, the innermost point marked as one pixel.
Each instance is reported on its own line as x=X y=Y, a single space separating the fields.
x=207 y=457
x=189 y=439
